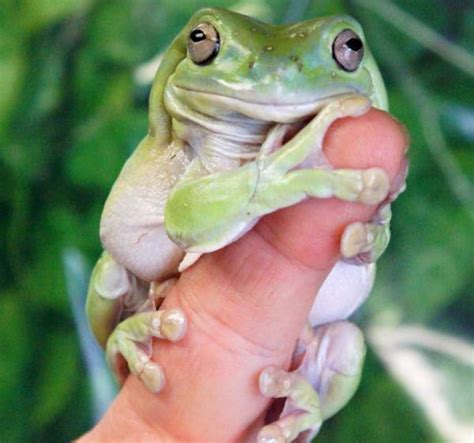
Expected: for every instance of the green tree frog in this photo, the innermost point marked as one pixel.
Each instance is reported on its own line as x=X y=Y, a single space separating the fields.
x=237 y=114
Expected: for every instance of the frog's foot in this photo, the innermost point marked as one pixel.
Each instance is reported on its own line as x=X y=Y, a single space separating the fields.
x=329 y=362
x=333 y=360
x=132 y=341
x=363 y=243
x=276 y=383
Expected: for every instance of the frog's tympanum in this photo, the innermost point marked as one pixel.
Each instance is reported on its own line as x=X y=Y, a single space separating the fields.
x=238 y=112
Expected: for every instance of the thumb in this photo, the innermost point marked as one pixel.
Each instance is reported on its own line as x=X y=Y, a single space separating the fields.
x=247 y=303
x=271 y=275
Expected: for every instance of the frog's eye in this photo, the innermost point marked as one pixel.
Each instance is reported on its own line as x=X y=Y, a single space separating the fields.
x=203 y=43
x=348 y=50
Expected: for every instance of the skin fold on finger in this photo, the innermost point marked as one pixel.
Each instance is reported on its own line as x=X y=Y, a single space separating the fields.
x=246 y=304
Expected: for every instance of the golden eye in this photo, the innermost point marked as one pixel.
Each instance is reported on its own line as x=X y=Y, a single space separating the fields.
x=348 y=50
x=203 y=43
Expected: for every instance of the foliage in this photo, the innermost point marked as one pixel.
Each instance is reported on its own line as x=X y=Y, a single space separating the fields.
x=71 y=111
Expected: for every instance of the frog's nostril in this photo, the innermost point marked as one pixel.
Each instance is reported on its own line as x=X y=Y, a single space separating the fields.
x=298 y=62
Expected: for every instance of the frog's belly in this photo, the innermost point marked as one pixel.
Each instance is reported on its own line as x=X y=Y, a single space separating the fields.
x=148 y=252
x=135 y=236
x=343 y=291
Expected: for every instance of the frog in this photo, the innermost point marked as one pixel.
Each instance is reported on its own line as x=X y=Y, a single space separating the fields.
x=238 y=111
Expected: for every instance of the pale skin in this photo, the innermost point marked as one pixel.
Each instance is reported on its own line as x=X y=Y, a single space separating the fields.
x=239 y=321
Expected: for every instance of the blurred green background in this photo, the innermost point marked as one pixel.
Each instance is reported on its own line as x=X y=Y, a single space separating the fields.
x=75 y=76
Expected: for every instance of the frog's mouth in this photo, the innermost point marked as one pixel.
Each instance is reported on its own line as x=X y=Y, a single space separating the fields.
x=244 y=128
x=280 y=122
x=225 y=107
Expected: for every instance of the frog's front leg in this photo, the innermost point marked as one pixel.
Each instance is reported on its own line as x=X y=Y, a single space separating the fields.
x=363 y=243
x=330 y=364
x=207 y=213
x=114 y=291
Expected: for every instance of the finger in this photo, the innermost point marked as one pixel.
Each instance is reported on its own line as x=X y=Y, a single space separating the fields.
x=246 y=304
x=289 y=254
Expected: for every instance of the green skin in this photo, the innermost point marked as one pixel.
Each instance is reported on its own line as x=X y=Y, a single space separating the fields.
x=208 y=169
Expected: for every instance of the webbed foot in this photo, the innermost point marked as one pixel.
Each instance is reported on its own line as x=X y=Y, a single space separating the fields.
x=330 y=360
x=277 y=383
x=132 y=341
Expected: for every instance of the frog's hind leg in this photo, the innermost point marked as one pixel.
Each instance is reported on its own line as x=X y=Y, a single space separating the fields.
x=330 y=360
x=111 y=288
x=305 y=410
x=131 y=342
x=113 y=294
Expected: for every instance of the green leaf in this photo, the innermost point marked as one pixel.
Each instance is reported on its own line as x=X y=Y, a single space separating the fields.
x=435 y=369
x=37 y=14
x=13 y=340
x=56 y=379
x=43 y=282
x=106 y=145
x=326 y=7
x=428 y=263
x=15 y=346
x=12 y=72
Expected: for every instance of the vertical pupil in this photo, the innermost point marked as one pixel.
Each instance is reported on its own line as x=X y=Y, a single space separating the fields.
x=198 y=36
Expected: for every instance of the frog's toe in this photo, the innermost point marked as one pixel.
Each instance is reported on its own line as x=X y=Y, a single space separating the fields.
x=152 y=377
x=376 y=186
x=356 y=239
x=170 y=324
x=363 y=243
x=274 y=382
x=271 y=434
x=132 y=341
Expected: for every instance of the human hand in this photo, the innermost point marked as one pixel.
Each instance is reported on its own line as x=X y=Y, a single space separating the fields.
x=246 y=306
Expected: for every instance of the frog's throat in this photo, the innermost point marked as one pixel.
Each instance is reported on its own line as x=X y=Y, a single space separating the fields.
x=221 y=140
x=226 y=132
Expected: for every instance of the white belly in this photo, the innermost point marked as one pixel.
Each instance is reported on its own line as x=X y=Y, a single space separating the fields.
x=343 y=291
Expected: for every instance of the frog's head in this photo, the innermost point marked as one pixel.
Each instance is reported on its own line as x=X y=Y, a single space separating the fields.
x=228 y=65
